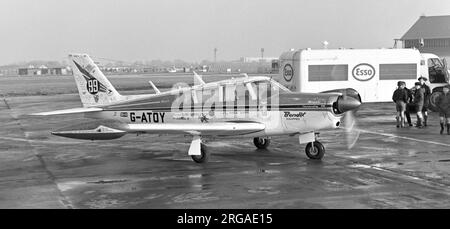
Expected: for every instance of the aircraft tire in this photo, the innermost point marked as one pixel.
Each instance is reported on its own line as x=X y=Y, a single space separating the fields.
x=315 y=150
x=261 y=143
x=204 y=157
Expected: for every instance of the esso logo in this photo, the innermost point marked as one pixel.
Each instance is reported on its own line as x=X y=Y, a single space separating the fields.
x=363 y=72
x=288 y=72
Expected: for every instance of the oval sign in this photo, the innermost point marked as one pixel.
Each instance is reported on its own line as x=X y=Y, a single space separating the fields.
x=288 y=72
x=363 y=72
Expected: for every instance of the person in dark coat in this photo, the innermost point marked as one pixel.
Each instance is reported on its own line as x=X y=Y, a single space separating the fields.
x=419 y=99
x=427 y=94
x=443 y=104
x=409 y=106
x=400 y=98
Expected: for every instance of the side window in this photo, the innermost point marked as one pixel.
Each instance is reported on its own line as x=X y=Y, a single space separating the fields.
x=328 y=72
x=398 y=71
x=264 y=89
x=436 y=71
x=210 y=98
x=241 y=92
x=207 y=97
x=196 y=96
x=229 y=93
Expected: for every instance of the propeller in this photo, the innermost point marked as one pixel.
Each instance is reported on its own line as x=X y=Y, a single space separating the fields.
x=349 y=121
x=351 y=131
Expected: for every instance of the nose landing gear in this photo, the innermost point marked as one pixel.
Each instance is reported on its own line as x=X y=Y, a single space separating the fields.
x=315 y=150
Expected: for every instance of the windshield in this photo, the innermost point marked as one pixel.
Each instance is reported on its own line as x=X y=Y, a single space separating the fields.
x=436 y=71
x=268 y=88
x=278 y=85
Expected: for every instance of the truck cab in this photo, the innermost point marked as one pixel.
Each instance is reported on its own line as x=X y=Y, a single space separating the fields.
x=435 y=70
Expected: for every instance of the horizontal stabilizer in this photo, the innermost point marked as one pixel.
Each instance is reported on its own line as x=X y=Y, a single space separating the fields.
x=69 y=111
x=94 y=130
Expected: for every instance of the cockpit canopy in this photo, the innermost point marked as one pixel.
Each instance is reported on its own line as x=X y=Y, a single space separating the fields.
x=254 y=88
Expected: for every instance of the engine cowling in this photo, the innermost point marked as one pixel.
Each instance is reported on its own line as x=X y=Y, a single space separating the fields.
x=346 y=92
x=349 y=100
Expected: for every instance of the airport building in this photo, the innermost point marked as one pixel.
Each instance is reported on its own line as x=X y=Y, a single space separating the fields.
x=240 y=67
x=257 y=59
x=430 y=34
x=43 y=70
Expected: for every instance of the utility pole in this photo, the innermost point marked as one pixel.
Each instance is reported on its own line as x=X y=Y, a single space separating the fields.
x=262 y=53
x=215 y=54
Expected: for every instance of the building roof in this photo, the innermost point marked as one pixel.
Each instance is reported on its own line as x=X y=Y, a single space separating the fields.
x=429 y=27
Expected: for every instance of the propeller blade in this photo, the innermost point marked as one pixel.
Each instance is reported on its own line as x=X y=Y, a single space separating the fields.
x=350 y=123
x=351 y=133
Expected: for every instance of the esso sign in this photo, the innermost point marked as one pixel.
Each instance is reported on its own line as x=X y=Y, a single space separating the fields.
x=363 y=72
x=288 y=72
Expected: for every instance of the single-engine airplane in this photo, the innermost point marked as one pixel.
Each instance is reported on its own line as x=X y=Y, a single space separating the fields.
x=254 y=107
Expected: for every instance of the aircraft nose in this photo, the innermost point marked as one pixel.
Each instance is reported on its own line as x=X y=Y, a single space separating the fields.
x=347 y=103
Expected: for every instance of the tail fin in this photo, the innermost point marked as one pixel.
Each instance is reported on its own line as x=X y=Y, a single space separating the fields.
x=94 y=88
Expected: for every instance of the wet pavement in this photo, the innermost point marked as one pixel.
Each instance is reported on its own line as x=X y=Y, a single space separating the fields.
x=386 y=168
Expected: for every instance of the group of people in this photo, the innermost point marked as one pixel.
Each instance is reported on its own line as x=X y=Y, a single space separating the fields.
x=417 y=100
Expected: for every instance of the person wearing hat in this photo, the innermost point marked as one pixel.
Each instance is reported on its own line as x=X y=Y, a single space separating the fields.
x=427 y=95
x=419 y=98
x=409 y=105
x=443 y=104
x=400 y=98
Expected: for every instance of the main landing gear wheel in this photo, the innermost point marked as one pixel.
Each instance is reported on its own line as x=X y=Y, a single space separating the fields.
x=315 y=150
x=261 y=143
x=204 y=157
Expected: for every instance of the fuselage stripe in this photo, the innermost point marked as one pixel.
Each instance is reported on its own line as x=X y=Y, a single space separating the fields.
x=235 y=107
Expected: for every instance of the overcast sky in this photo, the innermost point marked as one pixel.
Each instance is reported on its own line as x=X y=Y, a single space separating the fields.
x=133 y=30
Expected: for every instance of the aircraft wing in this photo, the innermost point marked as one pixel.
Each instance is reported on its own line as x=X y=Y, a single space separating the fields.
x=69 y=111
x=215 y=128
x=111 y=129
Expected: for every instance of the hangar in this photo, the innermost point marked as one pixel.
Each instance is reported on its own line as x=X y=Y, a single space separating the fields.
x=430 y=34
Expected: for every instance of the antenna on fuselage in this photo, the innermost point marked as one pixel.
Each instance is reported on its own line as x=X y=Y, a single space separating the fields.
x=244 y=74
x=198 y=79
x=154 y=87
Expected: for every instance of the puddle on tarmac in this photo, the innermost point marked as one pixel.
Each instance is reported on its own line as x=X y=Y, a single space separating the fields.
x=266 y=190
x=107 y=181
x=194 y=197
x=64 y=186
x=259 y=171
